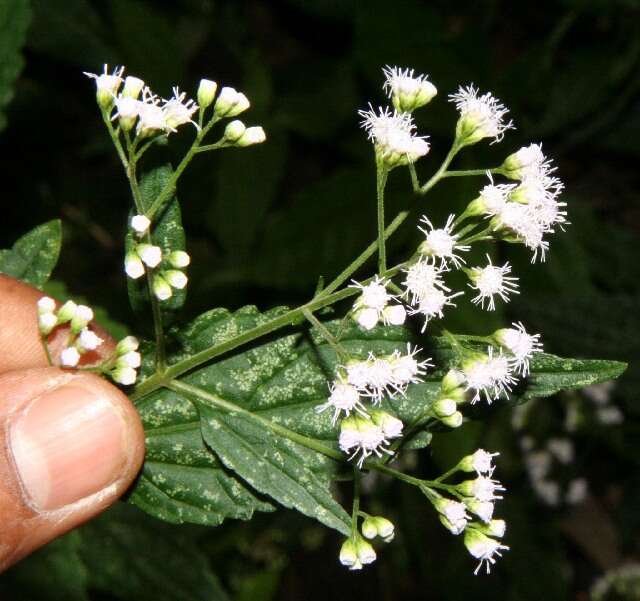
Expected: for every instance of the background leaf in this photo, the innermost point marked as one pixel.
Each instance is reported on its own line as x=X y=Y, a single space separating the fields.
x=33 y=257
x=15 y=16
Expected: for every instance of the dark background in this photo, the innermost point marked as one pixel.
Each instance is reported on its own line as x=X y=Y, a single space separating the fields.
x=264 y=223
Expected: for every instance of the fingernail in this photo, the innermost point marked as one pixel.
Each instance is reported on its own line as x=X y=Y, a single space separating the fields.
x=67 y=444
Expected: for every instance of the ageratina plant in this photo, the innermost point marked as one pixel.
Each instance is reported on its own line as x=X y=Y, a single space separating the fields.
x=246 y=410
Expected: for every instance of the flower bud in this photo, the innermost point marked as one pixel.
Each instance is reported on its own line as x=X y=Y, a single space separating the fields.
x=46 y=305
x=390 y=426
x=107 y=85
x=133 y=266
x=253 y=135
x=395 y=315
x=496 y=528
x=483 y=509
x=366 y=553
x=444 y=407
x=124 y=375
x=66 y=312
x=140 y=223
x=413 y=95
x=349 y=555
x=378 y=526
x=127 y=344
x=161 y=288
x=151 y=255
x=516 y=165
x=82 y=316
x=206 y=92
x=131 y=359
x=88 y=341
x=366 y=318
x=179 y=259
x=176 y=279
x=234 y=131
x=452 y=381
x=132 y=87
x=369 y=529
x=453 y=421
x=46 y=323
x=69 y=357
x=231 y=103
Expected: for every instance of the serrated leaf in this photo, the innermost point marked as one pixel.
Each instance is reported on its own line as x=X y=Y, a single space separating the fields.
x=182 y=480
x=167 y=233
x=15 y=16
x=33 y=257
x=257 y=408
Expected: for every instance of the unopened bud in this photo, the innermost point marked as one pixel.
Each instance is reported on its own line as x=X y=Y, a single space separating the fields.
x=445 y=407
x=161 y=288
x=66 y=312
x=82 y=316
x=127 y=344
x=124 y=375
x=231 y=103
x=206 y=92
x=140 y=223
x=133 y=266
x=69 y=357
x=46 y=323
x=176 y=279
x=253 y=135
x=453 y=421
x=46 y=305
x=179 y=259
x=151 y=255
x=132 y=87
x=366 y=318
x=234 y=131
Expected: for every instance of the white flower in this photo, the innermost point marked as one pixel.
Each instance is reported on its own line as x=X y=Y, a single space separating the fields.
x=149 y=254
x=343 y=398
x=454 y=513
x=107 y=85
x=444 y=407
x=367 y=319
x=361 y=435
x=81 y=317
x=132 y=87
x=392 y=134
x=394 y=315
x=127 y=344
x=231 y=103
x=69 y=357
x=176 y=279
x=127 y=108
x=496 y=528
x=548 y=491
x=130 y=359
x=407 y=369
x=252 y=135
x=600 y=394
x=140 y=223
x=206 y=92
x=527 y=162
x=562 y=449
x=177 y=112
x=540 y=192
x=538 y=464
x=88 y=341
x=483 y=548
x=493 y=197
x=349 y=556
x=46 y=305
x=577 y=491
x=161 y=288
x=46 y=322
x=480 y=116
x=432 y=304
x=373 y=295
x=480 y=462
x=490 y=281
x=521 y=344
x=391 y=426
x=124 y=375
x=522 y=221
x=489 y=375
x=150 y=113
x=421 y=279
x=441 y=243
x=133 y=266
x=179 y=259
x=407 y=91
x=483 y=509
x=481 y=489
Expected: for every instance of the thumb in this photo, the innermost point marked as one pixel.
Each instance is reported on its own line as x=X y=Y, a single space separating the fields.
x=70 y=444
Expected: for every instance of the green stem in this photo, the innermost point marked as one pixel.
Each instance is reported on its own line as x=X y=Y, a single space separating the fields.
x=439 y=174
x=169 y=188
x=381 y=181
x=363 y=258
x=356 y=502
x=483 y=235
x=469 y=172
x=326 y=334
x=47 y=352
x=415 y=184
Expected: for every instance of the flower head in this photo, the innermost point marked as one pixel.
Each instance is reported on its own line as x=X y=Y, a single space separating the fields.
x=432 y=304
x=343 y=398
x=480 y=116
x=176 y=111
x=422 y=277
x=406 y=90
x=453 y=514
x=107 y=85
x=488 y=375
x=527 y=162
x=362 y=435
x=490 y=281
x=480 y=462
x=442 y=243
x=520 y=344
x=393 y=137
x=483 y=547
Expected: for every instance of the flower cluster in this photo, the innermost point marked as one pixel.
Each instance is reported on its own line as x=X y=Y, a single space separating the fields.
x=475 y=498
x=368 y=431
x=145 y=256
x=373 y=305
x=121 y=366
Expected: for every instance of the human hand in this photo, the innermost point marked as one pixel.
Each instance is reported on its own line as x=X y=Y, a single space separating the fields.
x=71 y=443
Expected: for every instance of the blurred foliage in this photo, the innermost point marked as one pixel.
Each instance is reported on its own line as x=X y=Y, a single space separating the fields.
x=262 y=227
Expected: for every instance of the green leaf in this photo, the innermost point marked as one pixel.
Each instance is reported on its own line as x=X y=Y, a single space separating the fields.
x=15 y=16
x=256 y=411
x=33 y=257
x=167 y=233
